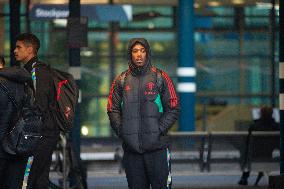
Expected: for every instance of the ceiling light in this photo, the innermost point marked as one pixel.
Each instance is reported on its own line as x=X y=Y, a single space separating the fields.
x=84 y=130
x=86 y=53
x=60 y=22
x=214 y=3
x=237 y=1
x=151 y=25
x=264 y=5
x=196 y=5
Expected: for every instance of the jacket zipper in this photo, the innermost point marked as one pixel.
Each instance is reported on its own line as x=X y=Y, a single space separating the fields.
x=139 y=124
x=32 y=136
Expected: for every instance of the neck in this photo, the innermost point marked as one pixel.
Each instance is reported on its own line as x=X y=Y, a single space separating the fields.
x=28 y=59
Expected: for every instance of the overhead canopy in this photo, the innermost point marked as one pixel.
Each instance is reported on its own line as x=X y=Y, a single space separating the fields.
x=158 y=2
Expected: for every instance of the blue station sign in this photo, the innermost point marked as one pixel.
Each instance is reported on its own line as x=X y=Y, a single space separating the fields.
x=101 y=13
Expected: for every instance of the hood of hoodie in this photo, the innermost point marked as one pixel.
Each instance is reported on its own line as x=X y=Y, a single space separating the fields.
x=139 y=70
x=16 y=74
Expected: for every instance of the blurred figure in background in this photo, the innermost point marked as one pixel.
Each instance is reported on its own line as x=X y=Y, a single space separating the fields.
x=266 y=122
x=2 y=62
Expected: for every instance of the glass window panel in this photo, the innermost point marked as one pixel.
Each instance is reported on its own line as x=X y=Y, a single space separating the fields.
x=256 y=44
x=257 y=22
x=95 y=24
x=95 y=77
x=216 y=44
x=150 y=17
x=221 y=11
x=94 y=116
x=260 y=10
x=223 y=22
x=218 y=75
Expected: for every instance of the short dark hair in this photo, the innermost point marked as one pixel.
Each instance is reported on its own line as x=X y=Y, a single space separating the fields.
x=266 y=112
x=29 y=38
x=2 y=60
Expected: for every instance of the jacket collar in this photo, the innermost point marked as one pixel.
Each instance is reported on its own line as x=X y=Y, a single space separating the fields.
x=29 y=65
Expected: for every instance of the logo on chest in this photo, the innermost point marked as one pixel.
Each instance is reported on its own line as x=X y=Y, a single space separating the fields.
x=150 y=89
x=127 y=88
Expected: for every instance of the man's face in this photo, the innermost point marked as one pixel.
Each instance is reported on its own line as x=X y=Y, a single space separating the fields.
x=23 y=53
x=138 y=53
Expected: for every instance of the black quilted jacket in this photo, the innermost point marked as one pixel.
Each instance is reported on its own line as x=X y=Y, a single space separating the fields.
x=14 y=79
x=140 y=110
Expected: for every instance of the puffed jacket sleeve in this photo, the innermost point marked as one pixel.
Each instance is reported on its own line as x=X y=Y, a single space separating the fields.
x=114 y=106
x=170 y=102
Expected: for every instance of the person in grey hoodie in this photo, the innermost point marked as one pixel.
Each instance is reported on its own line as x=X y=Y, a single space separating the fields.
x=142 y=107
x=12 y=168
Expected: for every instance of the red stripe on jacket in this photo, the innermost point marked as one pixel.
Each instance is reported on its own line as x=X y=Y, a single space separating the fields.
x=173 y=96
x=109 y=105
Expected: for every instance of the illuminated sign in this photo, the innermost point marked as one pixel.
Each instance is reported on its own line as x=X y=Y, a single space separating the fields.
x=47 y=12
x=52 y=13
x=101 y=13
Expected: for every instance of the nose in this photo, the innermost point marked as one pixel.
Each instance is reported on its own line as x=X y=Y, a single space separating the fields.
x=139 y=55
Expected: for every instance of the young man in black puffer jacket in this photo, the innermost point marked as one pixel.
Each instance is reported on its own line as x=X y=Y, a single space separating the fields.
x=142 y=106
x=12 y=168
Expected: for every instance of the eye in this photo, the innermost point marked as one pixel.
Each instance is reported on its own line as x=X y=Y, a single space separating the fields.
x=137 y=50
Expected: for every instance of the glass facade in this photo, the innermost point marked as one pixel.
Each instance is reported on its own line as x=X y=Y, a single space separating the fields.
x=232 y=49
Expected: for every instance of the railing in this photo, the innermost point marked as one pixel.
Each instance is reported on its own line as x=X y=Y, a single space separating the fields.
x=235 y=146
x=203 y=148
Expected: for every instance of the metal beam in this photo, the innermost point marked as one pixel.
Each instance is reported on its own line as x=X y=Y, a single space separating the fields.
x=157 y=2
x=75 y=63
x=14 y=27
x=281 y=84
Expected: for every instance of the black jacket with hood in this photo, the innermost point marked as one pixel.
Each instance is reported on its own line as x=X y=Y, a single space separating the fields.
x=13 y=78
x=140 y=110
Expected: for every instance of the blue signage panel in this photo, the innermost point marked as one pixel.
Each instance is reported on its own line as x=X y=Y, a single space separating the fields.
x=47 y=12
x=100 y=13
x=203 y=22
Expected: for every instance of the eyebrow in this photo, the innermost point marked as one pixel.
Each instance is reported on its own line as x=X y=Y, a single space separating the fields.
x=138 y=48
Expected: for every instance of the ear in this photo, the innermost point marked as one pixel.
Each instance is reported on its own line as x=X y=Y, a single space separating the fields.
x=30 y=49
